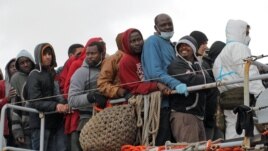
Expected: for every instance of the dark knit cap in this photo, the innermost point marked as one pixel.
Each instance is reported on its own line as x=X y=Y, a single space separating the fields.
x=199 y=37
x=188 y=40
x=1 y=75
x=215 y=49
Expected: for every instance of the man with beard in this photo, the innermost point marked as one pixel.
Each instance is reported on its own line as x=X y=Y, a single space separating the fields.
x=20 y=120
x=83 y=81
x=130 y=70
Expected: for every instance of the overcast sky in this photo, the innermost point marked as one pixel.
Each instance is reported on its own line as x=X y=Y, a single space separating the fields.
x=26 y=23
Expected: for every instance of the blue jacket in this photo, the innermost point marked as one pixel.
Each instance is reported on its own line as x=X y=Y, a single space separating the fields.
x=157 y=54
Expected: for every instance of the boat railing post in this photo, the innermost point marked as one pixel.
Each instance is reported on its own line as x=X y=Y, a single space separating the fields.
x=2 y=123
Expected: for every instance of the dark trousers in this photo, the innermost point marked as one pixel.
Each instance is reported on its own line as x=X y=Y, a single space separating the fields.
x=164 y=131
x=73 y=141
x=214 y=133
x=54 y=140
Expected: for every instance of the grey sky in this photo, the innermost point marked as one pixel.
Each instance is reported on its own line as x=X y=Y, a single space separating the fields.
x=26 y=23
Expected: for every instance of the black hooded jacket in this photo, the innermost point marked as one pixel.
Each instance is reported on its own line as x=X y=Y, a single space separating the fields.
x=191 y=75
x=214 y=51
x=39 y=89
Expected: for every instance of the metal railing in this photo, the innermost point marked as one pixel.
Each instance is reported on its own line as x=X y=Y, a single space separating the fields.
x=42 y=115
x=2 y=123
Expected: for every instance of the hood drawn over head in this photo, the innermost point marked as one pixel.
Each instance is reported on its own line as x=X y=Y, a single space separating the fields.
x=236 y=31
x=38 y=55
x=200 y=37
x=215 y=49
x=7 y=74
x=90 y=41
x=126 y=39
x=189 y=40
x=24 y=53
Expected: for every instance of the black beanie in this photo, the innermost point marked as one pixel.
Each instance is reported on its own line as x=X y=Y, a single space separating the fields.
x=188 y=40
x=215 y=49
x=1 y=75
x=199 y=37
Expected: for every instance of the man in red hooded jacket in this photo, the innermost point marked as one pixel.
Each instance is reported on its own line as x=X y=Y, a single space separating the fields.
x=130 y=69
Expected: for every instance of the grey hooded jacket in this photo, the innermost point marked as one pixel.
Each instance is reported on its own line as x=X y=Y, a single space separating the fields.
x=20 y=120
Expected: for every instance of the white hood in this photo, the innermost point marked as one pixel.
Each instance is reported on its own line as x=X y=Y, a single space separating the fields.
x=236 y=31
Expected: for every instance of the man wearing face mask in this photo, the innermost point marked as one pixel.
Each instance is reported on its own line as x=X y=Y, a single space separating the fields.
x=229 y=65
x=157 y=54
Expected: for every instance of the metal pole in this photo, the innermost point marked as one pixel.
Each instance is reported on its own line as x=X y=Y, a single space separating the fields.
x=223 y=145
x=222 y=83
x=246 y=141
x=246 y=82
x=17 y=149
x=209 y=85
x=22 y=108
x=42 y=131
x=2 y=123
x=203 y=146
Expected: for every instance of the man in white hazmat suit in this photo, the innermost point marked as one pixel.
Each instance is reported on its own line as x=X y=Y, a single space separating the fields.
x=229 y=65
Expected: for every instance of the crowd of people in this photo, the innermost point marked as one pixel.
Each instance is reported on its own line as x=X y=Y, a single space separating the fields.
x=140 y=66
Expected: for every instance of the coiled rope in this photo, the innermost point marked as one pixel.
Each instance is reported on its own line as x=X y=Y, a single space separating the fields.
x=148 y=116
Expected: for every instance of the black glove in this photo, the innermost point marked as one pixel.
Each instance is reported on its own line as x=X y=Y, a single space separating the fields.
x=244 y=120
x=127 y=95
x=99 y=99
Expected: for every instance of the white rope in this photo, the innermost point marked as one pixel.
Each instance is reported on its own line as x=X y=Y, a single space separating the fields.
x=145 y=128
x=155 y=105
x=148 y=116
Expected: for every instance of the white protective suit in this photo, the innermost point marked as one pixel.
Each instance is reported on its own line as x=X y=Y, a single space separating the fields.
x=229 y=65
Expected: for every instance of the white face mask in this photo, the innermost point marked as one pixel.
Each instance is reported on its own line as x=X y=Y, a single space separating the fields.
x=167 y=35
x=247 y=40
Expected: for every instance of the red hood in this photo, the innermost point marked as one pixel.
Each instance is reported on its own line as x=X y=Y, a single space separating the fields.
x=125 y=39
x=90 y=41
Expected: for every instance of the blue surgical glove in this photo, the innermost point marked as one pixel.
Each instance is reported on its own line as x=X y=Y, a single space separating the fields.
x=182 y=89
